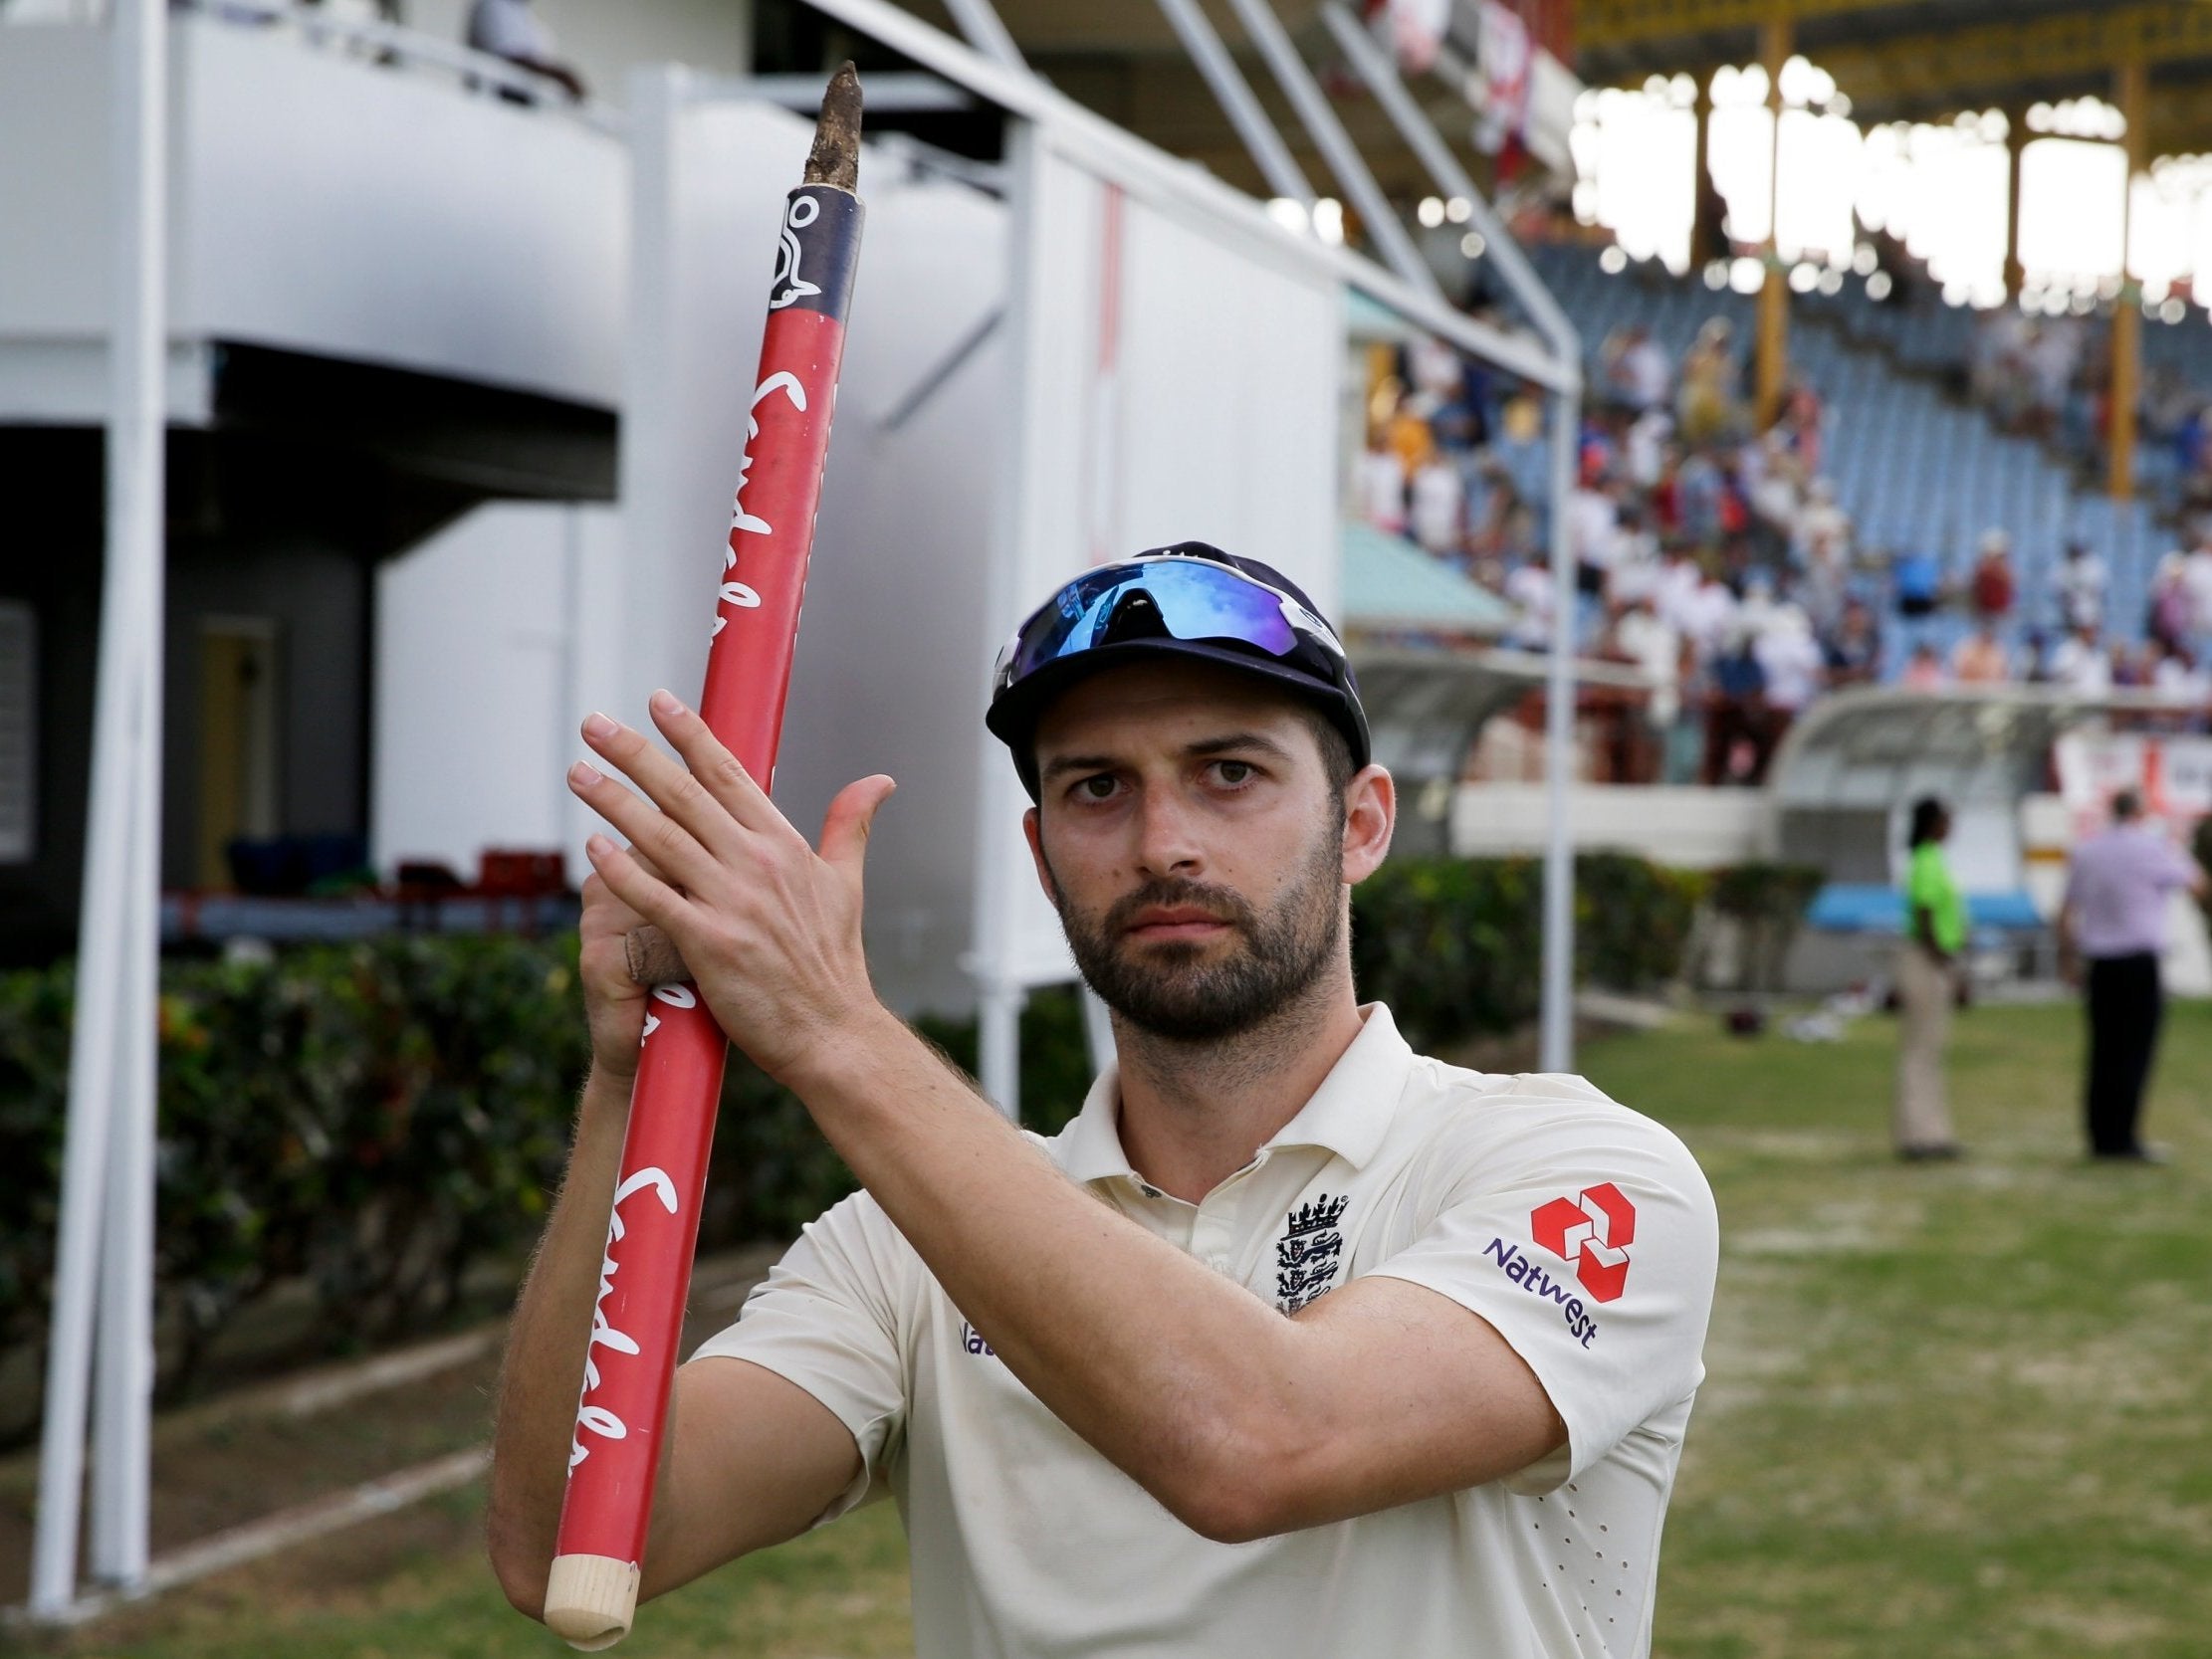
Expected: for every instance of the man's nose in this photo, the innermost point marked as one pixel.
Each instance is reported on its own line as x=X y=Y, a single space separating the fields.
x=1166 y=844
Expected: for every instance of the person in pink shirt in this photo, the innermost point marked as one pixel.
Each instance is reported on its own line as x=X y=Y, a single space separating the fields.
x=2114 y=920
x=1980 y=658
x=1925 y=672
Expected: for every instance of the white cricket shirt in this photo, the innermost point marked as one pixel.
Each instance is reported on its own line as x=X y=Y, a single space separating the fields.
x=1581 y=1230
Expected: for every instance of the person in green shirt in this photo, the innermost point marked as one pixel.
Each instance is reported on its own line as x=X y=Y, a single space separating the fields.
x=1927 y=985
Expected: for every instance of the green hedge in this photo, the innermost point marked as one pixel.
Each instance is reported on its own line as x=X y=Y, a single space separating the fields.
x=1454 y=945
x=374 y=1121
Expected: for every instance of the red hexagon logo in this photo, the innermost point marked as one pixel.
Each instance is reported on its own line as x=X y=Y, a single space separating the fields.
x=1593 y=1232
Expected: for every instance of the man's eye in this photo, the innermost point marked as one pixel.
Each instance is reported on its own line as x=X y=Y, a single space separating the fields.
x=1232 y=772
x=1098 y=788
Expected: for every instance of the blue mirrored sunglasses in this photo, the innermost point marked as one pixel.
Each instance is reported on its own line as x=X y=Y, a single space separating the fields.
x=1194 y=598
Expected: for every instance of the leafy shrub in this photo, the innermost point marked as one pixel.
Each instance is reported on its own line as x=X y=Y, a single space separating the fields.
x=1767 y=902
x=1454 y=945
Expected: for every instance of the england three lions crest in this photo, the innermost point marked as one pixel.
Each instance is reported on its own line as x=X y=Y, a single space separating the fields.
x=1308 y=1254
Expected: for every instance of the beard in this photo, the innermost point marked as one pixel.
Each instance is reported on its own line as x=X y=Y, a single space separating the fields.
x=1198 y=992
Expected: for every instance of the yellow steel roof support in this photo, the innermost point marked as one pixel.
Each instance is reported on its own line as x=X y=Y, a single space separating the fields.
x=2129 y=85
x=1773 y=362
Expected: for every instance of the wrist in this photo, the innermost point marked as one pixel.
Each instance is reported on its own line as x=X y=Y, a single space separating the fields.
x=606 y=1092
x=837 y=1060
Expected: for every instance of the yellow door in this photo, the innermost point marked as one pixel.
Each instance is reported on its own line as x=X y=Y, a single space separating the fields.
x=238 y=739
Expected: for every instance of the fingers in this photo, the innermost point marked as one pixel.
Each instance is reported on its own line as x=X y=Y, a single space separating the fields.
x=675 y=855
x=721 y=774
x=850 y=818
x=625 y=876
x=663 y=780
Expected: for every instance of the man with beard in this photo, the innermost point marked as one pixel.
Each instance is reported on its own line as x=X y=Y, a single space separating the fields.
x=1293 y=1343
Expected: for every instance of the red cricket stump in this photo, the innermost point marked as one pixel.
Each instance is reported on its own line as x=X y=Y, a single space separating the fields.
x=653 y=1231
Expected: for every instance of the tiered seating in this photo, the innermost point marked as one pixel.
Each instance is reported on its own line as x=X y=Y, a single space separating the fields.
x=1913 y=467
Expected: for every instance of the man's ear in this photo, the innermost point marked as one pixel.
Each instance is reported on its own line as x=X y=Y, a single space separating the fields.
x=1033 y=832
x=1369 y=815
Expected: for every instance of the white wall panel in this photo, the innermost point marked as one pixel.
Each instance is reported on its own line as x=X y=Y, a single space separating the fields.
x=1228 y=388
x=335 y=207
x=493 y=641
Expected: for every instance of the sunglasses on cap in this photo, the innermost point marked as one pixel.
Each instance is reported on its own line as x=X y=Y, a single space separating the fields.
x=1189 y=598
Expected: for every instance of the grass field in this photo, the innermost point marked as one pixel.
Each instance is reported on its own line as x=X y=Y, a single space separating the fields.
x=1951 y=1410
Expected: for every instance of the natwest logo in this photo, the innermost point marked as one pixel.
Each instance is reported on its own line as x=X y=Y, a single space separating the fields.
x=1593 y=1232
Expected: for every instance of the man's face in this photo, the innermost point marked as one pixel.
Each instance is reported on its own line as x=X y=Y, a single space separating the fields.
x=1186 y=832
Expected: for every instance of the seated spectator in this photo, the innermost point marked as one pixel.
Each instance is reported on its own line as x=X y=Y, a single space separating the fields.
x=509 y=28
x=2169 y=619
x=1791 y=663
x=1993 y=587
x=1639 y=635
x=1709 y=405
x=2196 y=581
x=1530 y=590
x=1640 y=376
x=2081 y=663
x=2179 y=676
x=1923 y=672
x=2081 y=582
x=1644 y=449
x=1854 y=650
x=1916 y=579
x=1378 y=483
x=1436 y=513
x=1980 y=659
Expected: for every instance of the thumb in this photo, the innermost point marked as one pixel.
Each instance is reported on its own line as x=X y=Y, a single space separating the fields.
x=850 y=817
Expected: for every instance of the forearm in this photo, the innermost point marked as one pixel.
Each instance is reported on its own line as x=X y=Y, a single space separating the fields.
x=546 y=1347
x=1169 y=1370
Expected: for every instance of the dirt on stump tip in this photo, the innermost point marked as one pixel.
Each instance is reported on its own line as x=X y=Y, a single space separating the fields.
x=835 y=157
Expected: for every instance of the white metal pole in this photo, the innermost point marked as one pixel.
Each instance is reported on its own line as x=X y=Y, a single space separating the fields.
x=123 y=1381
x=1557 y=1048
x=121 y=798
x=1336 y=147
x=122 y=1397
x=1001 y=857
x=1234 y=95
x=987 y=32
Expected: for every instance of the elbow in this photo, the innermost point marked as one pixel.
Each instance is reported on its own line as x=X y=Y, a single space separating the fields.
x=1241 y=1490
x=1231 y=1513
x=520 y=1570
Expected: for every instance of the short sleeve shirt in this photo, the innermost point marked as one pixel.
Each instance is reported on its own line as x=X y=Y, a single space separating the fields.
x=1581 y=1231
x=2118 y=888
x=1930 y=887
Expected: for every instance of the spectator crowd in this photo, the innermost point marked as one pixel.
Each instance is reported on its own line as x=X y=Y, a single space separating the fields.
x=1715 y=555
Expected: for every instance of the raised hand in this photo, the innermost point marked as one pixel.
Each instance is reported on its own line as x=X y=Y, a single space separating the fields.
x=770 y=928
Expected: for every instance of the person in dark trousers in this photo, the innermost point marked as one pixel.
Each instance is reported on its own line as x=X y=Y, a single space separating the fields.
x=2114 y=921
x=1927 y=987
